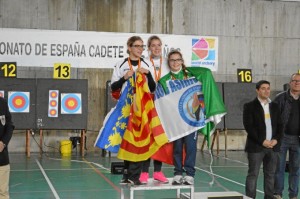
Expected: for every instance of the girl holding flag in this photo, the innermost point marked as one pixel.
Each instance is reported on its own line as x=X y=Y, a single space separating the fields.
x=160 y=68
x=206 y=105
x=124 y=70
x=179 y=71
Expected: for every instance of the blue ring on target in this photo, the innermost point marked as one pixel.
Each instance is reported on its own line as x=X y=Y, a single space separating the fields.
x=17 y=94
x=66 y=97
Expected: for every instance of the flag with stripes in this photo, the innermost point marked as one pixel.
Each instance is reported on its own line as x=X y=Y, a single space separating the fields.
x=144 y=134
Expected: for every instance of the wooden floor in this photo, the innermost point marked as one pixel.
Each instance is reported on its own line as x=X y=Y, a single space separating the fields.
x=53 y=176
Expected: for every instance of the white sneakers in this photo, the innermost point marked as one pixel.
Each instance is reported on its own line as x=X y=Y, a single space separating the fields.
x=177 y=180
x=187 y=180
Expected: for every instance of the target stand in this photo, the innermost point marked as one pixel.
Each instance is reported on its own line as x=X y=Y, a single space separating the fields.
x=30 y=132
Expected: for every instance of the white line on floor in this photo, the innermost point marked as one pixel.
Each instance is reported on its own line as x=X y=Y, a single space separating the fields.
x=80 y=161
x=225 y=178
x=47 y=179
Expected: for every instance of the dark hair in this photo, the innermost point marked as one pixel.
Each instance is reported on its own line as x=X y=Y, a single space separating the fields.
x=131 y=40
x=154 y=37
x=179 y=53
x=261 y=82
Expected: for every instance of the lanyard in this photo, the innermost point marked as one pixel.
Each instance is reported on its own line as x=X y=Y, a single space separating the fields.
x=157 y=73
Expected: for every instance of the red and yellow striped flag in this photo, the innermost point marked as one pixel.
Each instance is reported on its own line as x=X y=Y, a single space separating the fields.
x=144 y=134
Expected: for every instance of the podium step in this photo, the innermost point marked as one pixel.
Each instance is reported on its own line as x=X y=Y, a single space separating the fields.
x=155 y=185
x=215 y=195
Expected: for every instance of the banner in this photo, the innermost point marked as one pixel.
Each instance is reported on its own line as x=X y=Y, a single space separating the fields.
x=185 y=106
x=182 y=111
x=87 y=49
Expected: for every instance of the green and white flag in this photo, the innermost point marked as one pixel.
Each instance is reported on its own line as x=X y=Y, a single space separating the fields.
x=185 y=106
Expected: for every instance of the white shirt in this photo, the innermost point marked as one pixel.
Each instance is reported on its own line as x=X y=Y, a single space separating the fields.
x=267 y=115
x=122 y=67
x=156 y=64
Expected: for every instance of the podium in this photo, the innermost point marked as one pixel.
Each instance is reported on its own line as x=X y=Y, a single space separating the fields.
x=215 y=195
x=155 y=185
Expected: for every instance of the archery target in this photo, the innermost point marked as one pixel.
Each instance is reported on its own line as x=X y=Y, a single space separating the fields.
x=18 y=102
x=71 y=103
x=2 y=94
x=53 y=103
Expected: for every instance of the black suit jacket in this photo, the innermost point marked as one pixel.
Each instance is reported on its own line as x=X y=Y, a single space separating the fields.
x=254 y=123
x=6 y=130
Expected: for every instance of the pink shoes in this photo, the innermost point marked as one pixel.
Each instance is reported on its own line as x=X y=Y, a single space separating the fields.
x=159 y=176
x=144 y=177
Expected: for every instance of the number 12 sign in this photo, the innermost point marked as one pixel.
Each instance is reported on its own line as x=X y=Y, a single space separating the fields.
x=8 y=69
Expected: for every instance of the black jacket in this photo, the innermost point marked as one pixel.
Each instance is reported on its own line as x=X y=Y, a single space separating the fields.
x=284 y=100
x=6 y=130
x=254 y=123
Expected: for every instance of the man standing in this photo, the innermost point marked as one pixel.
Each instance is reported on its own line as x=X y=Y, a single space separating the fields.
x=6 y=130
x=288 y=102
x=263 y=125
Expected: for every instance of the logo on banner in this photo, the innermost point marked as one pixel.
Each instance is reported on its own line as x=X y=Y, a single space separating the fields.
x=191 y=106
x=204 y=52
x=71 y=103
x=18 y=102
x=2 y=94
x=53 y=103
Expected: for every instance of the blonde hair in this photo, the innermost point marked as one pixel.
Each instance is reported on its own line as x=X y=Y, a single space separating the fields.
x=154 y=37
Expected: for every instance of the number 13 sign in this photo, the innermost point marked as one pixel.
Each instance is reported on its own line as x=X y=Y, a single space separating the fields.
x=62 y=71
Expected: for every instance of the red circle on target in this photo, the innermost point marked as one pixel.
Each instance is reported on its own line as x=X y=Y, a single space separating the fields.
x=18 y=102
x=71 y=103
x=53 y=94
x=53 y=103
x=1 y=94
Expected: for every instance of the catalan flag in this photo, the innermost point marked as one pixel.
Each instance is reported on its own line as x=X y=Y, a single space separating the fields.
x=115 y=122
x=144 y=134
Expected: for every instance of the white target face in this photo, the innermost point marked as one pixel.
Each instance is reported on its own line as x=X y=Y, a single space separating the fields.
x=2 y=94
x=71 y=103
x=53 y=103
x=18 y=102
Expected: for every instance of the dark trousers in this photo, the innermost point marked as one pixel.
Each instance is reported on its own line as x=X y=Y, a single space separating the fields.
x=289 y=144
x=132 y=170
x=268 y=158
x=146 y=164
x=190 y=144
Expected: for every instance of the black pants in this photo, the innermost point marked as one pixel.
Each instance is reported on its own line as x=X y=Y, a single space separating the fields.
x=268 y=158
x=132 y=170
x=146 y=164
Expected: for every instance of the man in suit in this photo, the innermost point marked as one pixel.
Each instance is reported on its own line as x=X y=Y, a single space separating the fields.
x=262 y=122
x=6 y=130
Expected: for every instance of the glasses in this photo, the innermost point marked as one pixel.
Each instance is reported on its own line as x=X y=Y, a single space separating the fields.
x=138 y=46
x=295 y=81
x=175 y=60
